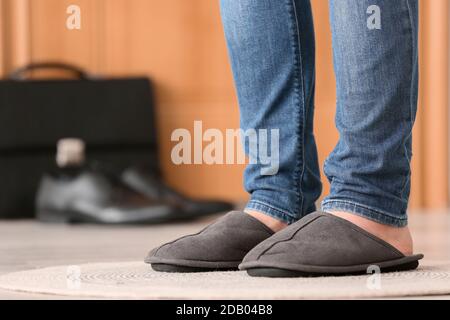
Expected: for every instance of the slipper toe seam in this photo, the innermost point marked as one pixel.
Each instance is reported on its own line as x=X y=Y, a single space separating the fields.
x=287 y=240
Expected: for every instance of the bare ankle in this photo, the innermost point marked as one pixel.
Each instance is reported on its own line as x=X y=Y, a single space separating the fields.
x=400 y=238
x=274 y=224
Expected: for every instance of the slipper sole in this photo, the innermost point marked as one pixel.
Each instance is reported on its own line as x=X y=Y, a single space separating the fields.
x=403 y=264
x=169 y=268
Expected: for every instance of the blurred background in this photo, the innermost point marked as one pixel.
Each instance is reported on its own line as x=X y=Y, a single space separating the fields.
x=126 y=120
x=180 y=46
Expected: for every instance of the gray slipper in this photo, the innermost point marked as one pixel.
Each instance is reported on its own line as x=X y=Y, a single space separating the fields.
x=220 y=246
x=322 y=244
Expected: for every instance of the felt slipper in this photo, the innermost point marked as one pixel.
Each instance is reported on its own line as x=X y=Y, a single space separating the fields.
x=322 y=244
x=220 y=246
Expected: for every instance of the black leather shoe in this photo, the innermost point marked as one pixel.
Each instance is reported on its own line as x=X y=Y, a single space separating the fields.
x=91 y=196
x=149 y=184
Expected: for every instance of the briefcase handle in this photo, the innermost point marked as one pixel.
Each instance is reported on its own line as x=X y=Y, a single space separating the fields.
x=20 y=73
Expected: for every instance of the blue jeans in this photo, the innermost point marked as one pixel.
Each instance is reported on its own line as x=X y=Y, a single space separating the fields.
x=271 y=46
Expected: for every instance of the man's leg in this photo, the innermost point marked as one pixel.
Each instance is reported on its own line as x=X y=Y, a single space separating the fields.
x=364 y=228
x=375 y=52
x=271 y=46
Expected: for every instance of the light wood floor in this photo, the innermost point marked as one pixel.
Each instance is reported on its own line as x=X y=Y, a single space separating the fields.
x=28 y=245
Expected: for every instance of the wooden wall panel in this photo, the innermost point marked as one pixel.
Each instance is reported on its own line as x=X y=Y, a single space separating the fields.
x=434 y=102
x=51 y=40
x=180 y=45
x=325 y=130
x=16 y=36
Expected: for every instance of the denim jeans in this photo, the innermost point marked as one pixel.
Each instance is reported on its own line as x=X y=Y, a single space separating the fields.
x=271 y=47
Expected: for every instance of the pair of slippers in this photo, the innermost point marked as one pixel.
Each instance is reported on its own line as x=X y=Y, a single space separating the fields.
x=320 y=244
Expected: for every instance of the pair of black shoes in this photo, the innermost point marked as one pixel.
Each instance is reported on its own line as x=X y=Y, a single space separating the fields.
x=98 y=195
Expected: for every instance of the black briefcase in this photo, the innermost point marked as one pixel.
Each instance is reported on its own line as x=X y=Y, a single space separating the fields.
x=113 y=116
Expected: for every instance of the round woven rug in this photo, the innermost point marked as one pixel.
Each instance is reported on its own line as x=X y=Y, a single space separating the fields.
x=136 y=280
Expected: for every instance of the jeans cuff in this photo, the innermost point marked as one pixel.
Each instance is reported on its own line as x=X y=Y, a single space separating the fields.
x=364 y=211
x=270 y=210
